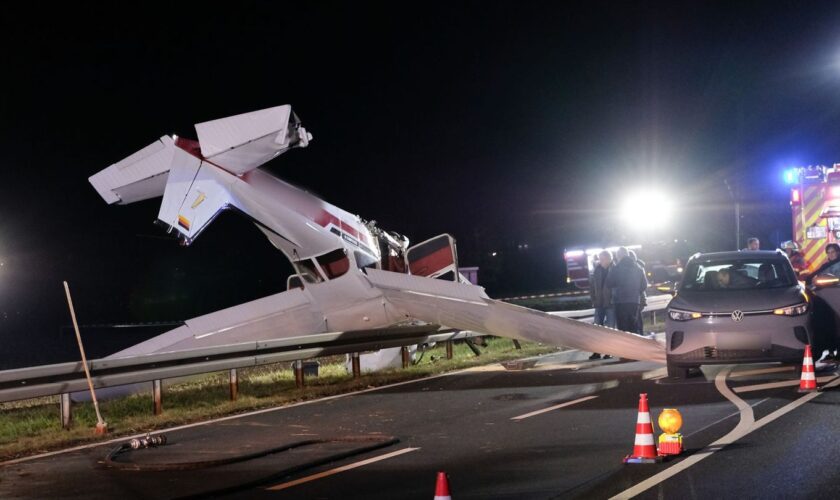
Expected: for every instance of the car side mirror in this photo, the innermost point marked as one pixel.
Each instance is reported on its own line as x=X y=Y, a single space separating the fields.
x=825 y=281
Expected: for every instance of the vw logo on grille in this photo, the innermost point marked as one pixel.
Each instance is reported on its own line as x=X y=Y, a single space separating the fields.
x=737 y=316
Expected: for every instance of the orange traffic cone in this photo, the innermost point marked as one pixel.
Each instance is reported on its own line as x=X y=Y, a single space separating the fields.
x=644 y=451
x=807 y=382
x=442 y=487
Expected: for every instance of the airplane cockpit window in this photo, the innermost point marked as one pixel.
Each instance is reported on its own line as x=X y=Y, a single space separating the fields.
x=364 y=260
x=307 y=271
x=335 y=263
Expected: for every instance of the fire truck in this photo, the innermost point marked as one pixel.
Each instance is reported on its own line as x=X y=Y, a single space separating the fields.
x=815 y=209
x=660 y=263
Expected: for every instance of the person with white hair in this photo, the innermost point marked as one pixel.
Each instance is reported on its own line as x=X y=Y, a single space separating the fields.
x=601 y=295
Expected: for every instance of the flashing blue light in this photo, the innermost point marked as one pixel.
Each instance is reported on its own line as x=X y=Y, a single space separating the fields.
x=790 y=176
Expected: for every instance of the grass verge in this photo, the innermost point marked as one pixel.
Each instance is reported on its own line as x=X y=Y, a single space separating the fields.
x=33 y=426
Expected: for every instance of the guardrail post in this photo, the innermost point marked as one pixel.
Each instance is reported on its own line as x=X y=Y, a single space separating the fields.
x=157 y=396
x=298 y=367
x=65 y=406
x=406 y=357
x=357 y=369
x=234 y=385
x=448 y=349
x=472 y=347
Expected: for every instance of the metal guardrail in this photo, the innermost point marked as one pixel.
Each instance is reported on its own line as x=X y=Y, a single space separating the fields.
x=64 y=378
x=654 y=303
x=48 y=380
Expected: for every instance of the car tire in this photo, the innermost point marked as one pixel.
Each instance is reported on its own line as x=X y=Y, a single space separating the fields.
x=678 y=372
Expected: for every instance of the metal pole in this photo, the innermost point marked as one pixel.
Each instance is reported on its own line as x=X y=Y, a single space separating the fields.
x=472 y=347
x=66 y=410
x=448 y=349
x=737 y=226
x=406 y=357
x=234 y=385
x=357 y=369
x=298 y=367
x=101 y=426
x=157 y=396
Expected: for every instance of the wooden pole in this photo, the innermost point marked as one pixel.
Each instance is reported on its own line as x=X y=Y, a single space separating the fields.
x=234 y=385
x=157 y=397
x=101 y=426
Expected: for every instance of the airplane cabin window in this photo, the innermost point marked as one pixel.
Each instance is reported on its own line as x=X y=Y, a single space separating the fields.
x=334 y=263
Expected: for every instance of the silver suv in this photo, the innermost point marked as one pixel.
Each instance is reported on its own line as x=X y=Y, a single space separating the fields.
x=737 y=307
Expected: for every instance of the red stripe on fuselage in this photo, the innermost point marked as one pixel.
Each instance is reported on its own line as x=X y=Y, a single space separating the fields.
x=323 y=218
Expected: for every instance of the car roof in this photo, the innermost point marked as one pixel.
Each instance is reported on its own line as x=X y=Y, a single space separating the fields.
x=738 y=255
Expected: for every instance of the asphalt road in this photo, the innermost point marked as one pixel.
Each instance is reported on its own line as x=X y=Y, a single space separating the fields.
x=559 y=430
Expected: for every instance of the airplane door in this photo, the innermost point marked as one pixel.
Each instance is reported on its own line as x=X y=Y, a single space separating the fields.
x=434 y=258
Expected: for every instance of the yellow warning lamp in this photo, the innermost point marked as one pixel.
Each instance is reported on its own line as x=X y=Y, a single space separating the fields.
x=670 y=443
x=670 y=421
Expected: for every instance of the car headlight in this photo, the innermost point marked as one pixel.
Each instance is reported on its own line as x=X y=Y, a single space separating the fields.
x=794 y=310
x=678 y=315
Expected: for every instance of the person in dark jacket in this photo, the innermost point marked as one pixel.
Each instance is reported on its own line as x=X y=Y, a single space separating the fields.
x=601 y=295
x=628 y=282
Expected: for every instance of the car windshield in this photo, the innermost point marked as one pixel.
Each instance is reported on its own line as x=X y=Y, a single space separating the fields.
x=738 y=274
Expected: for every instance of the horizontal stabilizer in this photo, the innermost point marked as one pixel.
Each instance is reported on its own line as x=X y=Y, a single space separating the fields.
x=244 y=142
x=139 y=177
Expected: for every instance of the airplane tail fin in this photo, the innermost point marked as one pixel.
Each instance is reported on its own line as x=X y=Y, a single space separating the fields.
x=194 y=177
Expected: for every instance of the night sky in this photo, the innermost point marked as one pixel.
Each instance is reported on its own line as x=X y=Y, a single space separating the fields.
x=501 y=123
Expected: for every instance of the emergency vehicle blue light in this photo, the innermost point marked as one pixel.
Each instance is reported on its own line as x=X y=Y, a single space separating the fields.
x=790 y=176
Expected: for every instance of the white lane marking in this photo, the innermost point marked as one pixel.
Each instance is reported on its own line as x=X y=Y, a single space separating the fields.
x=747 y=373
x=655 y=374
x=790 y=406
x=744 y=427
x=552 y=408
x=747 y=419
x=774 y=385
x=722 y=419
x=224 y=419
x=313 y=477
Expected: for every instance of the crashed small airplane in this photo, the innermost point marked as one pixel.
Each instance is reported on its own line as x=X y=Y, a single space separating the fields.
x=350 y=275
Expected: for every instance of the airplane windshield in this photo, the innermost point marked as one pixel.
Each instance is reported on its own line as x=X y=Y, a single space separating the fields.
x=738 y=275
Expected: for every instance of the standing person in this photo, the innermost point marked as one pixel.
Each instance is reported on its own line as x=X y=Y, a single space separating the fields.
x=797 y=260
x=640 y=322
x=752 y=244
x=602 y=296
x=628 y=282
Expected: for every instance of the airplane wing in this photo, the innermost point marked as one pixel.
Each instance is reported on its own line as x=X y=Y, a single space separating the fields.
x=285 y=314
x=467 y=307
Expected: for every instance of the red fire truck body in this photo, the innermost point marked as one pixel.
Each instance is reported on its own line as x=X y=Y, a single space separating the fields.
x=815 y=209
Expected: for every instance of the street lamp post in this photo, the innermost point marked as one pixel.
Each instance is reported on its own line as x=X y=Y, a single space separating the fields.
x=737 y=215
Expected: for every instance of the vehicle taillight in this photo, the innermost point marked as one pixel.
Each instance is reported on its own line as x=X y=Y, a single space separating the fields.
x=794 y=196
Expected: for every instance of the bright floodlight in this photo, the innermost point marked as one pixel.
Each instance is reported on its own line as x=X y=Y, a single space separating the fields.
x=646 y=210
